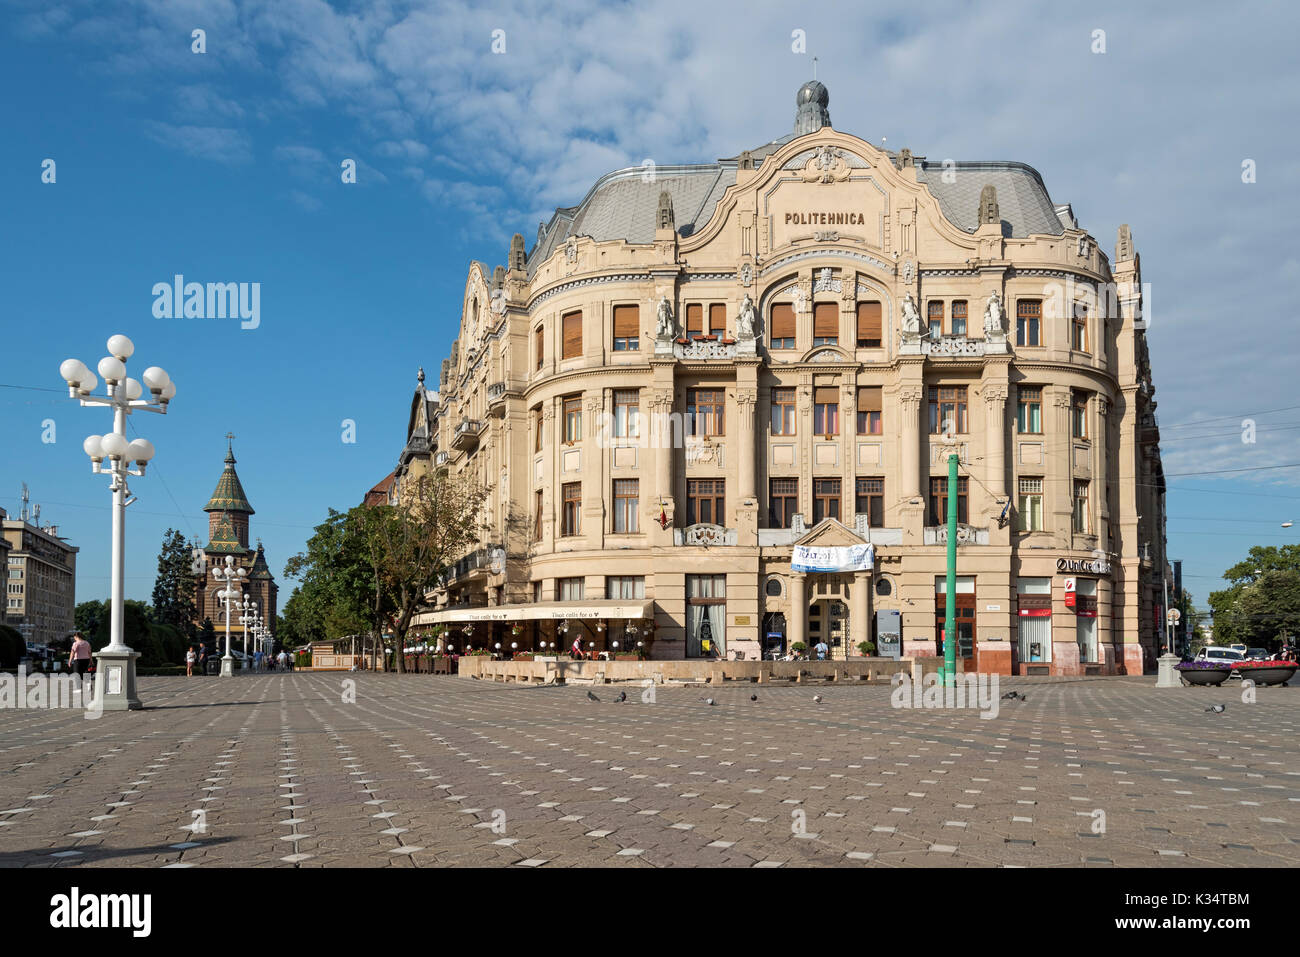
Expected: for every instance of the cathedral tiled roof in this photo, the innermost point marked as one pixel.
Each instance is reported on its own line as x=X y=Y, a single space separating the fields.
x=260 y=570
x=224 y=540
x=229 y=494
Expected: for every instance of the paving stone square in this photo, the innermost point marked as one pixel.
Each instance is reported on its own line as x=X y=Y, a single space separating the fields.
x=286 y=770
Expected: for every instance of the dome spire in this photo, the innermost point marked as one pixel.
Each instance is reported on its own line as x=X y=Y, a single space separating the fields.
x=812 y=100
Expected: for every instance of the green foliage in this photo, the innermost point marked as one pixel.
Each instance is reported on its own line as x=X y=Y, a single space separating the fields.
x=87 y=615
x=172 y=643
x=336 y=590
x=866 y=648
x=173 y=590
x=135 y=626
x=1261 y=604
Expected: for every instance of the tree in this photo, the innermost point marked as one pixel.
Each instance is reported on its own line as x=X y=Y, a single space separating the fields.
x=174 y=588
x=87 y=614
x=1261 y=605
x=334 y=595
x=208 y=635
x=135 y=627
x=413 y=543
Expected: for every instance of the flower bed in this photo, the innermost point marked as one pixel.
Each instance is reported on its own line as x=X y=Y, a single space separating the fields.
x=1266 y=672
x=1203 y=672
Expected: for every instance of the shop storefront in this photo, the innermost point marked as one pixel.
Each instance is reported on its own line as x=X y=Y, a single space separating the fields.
x=1034 y=625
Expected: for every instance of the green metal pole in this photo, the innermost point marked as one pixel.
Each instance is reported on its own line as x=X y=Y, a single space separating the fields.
x=950 y=611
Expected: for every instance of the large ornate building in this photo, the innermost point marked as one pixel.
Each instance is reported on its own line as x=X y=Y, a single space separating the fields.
x=40 y=570
x=228 y=514
x=700 y=371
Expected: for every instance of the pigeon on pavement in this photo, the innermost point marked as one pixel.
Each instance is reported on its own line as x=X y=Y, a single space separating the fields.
x=591 y=697
x=622 y=696
x=1217 y=708
x=753 y=697
x=817 y=698
x=709 y=701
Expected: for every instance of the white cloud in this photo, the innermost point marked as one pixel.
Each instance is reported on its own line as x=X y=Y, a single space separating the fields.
x=226 y=145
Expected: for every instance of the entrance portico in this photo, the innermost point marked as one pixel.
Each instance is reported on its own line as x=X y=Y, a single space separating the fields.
x=832 y=568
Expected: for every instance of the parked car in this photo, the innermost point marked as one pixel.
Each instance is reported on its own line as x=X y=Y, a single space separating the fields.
x=1257 y=654
x=1225 y=655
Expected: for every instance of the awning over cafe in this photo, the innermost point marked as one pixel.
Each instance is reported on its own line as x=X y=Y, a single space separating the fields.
x=604 y=608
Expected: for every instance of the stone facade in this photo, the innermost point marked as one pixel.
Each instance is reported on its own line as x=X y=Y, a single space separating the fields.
x=644 y=434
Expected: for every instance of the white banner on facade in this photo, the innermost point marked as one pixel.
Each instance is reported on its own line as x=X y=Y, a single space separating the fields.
x=848 y=558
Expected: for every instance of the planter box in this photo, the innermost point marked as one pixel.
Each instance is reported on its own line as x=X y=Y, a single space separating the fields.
x=1204 y=676
x=1273 y=673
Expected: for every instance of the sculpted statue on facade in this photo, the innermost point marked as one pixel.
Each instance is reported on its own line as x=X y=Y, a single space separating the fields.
x=994 y=319
x=665 y=327
x=746 y=318
x=911 y=318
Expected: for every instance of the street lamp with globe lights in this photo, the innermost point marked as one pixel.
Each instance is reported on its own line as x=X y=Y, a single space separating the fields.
x=116 y=691
x=232 y=578
x=249 y=620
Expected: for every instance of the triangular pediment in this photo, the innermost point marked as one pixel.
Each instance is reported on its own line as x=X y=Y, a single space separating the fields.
x=830 y=533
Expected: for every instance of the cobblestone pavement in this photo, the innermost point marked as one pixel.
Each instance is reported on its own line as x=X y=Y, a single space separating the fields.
x=421 y=771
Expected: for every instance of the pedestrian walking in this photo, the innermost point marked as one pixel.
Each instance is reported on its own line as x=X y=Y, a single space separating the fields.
x=79 y=656
x=822 y=650
x=190 y=658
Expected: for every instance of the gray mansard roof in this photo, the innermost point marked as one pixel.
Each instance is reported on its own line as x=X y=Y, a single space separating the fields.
x=622 y=204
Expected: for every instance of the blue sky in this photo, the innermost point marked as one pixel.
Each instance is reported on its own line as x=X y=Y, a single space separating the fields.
x=225 y=166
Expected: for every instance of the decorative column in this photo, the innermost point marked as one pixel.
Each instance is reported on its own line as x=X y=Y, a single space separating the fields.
x=860 y=610
x=909 y=403
x=746 y=399
x=798 y=620
x=995 y=406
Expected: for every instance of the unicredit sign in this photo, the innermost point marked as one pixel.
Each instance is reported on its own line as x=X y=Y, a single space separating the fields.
x=1097 y=566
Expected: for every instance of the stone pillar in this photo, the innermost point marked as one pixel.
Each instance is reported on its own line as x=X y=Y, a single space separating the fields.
x=860 y=610
x=745 y=402
x=995 y=406
x=797 y=623
x=909 y=406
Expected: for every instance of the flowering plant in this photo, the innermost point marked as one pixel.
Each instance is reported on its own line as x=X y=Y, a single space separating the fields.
x=1265 y=664
x=1204 y=665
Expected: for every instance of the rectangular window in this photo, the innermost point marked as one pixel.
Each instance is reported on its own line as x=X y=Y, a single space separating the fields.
x=626 y=499
x=1029 y=507
x=869 y=421
x=705 y=501
x=571 y=508
x=537 y=429
x=871 y=501
x=537 y=515
x=625 y=586
x=1029 y=409
x=826 y=323
x=706 y=616
x=627 y=328
x=947 y=410
x=939 y=500
x=1079 y=415
x=826 y=411
x=573 y=419
x=783 y=502
x=959 y=317
x=627 y=413
x=537 y=591
x=934 y=318
x=783 y=420
x=539 y=339
x=718 y=319
x=572 y=589
x=1081 y=507
x=572 y=326
x=1029 y=314
x=1079 y=328
x=826 y=499
x=694 y=320
x=781 y=326
x=704 y=411
x=869 y=325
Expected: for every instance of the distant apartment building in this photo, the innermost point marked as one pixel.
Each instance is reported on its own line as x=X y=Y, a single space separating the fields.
x=40 y=581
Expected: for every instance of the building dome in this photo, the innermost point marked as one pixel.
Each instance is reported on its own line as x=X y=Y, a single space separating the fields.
x=812 y=100
x=813 y=92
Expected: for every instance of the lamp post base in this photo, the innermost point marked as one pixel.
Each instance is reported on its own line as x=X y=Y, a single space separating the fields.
x=115 y=681
x=227 y=667
x=1167 y=677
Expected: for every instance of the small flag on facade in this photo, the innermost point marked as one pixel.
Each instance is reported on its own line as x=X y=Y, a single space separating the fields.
x=663 y=516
